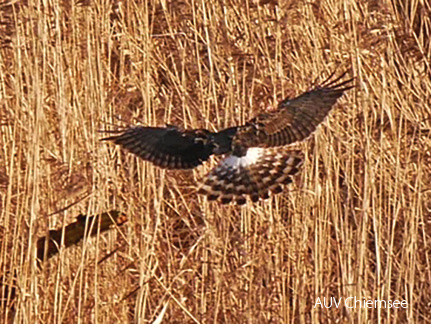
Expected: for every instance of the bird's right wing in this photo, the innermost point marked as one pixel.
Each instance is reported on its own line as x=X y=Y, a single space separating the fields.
x=296 y=118
x=167 y=147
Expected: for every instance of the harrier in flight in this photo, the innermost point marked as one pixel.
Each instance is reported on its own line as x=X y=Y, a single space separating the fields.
x=258 y=156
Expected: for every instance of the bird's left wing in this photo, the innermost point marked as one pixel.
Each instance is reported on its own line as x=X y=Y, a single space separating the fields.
x=167 y=147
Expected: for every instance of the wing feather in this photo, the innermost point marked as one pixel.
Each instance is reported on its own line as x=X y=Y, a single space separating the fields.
x=295 y=119
x=167 y=147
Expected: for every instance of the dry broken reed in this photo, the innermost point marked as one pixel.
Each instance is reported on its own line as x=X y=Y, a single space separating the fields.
x=357 y=221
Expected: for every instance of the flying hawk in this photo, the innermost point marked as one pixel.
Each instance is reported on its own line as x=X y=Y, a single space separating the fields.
x=258 y=157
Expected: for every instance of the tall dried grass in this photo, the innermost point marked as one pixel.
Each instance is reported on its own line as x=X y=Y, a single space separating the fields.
x=357 y=222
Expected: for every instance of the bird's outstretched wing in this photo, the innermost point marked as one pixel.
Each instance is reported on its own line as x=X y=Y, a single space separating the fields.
x=295 y=119
x=167 y=147
x=256 y=174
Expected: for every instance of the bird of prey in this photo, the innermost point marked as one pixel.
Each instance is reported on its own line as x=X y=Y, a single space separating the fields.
x=259 y=158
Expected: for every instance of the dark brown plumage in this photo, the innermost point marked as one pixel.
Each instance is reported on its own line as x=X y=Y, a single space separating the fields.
x=167 y=147
x=259 y=160
x=297 y=118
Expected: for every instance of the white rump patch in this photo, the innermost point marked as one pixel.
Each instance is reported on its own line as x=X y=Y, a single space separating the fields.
x=251 y=157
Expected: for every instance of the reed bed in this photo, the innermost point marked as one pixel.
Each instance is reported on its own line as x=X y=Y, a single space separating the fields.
x=356 y=221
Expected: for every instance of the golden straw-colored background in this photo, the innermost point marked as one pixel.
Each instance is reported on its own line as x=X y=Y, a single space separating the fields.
x=356 y=221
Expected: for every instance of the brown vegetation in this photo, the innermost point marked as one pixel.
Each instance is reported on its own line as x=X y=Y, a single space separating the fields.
x=357 y=221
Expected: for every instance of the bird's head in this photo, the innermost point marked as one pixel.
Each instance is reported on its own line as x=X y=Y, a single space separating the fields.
x=222 y=140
